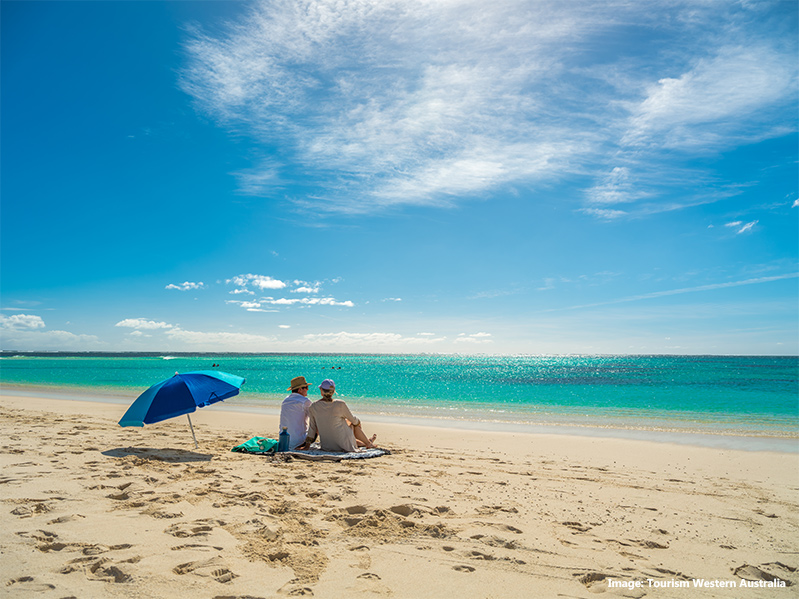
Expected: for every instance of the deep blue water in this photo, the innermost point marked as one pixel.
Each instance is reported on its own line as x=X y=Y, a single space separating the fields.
x=731 y=394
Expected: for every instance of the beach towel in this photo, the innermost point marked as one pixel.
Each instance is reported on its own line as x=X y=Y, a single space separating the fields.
x=336 y=456
x=262 y=445
x=257 y=445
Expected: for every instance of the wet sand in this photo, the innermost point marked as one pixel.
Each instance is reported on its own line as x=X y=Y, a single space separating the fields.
x=92 y=509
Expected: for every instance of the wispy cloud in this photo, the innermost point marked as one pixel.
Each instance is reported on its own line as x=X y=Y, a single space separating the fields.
x=474 y=338
x=346 y=339
x=186 y=286
x=221 y=340
x=307 y=301
x=141 y=323
x=409 y=102
x=741 y=226
x=656 y=294
x=717 y=101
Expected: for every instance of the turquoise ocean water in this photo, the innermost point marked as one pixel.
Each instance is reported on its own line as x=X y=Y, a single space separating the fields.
x=738 y=395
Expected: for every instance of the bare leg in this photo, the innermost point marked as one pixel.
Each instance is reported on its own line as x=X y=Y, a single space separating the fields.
x=360 y=437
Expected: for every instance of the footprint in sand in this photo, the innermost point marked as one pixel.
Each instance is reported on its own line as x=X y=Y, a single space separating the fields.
x=576 y=526
x=27 y=583
x=596 y=582
x=749 y=572
x=98 y=568
x=462 y=568
x=291 y=589
x=481 y=555
x=45 y=541
x=196 y=547
x=106 y=572
x=363 y=557
x=193 y=529
x=99 y=549
x=28 y=510
x=213 y=568
x=63 y=519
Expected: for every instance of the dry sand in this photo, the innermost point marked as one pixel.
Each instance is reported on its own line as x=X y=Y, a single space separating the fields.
x=94 y=510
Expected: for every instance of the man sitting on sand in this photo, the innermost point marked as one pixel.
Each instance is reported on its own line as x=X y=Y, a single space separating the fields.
x=338 y=429
x=294 y=412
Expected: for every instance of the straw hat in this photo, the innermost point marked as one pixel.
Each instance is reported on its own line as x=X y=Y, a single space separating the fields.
x=297 y=382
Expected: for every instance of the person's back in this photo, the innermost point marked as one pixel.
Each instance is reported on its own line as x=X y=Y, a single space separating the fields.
x=330 y=420
x=294 y=412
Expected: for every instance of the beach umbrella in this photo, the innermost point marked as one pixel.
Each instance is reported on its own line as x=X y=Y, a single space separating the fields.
x=181 y=394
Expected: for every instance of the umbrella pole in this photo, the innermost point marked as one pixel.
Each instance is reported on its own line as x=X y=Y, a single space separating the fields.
x=192 y=432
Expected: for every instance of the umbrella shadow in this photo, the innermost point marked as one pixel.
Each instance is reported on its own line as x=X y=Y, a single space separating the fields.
x=160 y=455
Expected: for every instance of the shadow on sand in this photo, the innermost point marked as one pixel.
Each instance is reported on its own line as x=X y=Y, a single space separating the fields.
x=162 y=455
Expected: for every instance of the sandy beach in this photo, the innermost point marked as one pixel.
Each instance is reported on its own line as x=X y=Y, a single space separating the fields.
x=95 y=510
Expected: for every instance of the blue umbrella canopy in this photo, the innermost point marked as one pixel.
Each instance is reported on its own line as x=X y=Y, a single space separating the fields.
x=181 y=394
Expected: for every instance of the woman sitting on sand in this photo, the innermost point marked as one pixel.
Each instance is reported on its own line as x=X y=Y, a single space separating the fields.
x=337 y=428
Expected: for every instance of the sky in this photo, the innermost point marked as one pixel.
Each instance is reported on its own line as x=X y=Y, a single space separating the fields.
x=399 y=176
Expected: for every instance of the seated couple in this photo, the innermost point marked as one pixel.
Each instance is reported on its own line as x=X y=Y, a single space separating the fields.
x=330 y=418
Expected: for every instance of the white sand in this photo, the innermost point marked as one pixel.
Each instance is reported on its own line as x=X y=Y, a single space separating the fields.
x=95 y=510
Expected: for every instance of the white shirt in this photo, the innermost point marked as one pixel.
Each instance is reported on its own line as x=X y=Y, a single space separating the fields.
x=294 y=416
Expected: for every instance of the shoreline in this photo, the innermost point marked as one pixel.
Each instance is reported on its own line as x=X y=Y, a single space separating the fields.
x=94 y=509
x=719 y=438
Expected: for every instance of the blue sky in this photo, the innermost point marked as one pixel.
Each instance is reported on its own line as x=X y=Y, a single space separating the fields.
x=400 y=176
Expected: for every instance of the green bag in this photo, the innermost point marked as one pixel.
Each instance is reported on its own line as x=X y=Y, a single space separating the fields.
x=257 y=445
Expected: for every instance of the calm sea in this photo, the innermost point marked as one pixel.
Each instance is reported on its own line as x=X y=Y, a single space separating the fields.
x=740 y=395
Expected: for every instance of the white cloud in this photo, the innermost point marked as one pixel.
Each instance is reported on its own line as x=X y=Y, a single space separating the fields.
x=33 y=340
x=795 y=204
x=604 y=213
x=707 y=104
x=259 y=281
x=474 y=338
x=283 y=301
x=186 y=286
x=744 y=227
x=345 y=339
x=141 y=323
x=21 y=322
x=306 y=287
x=392 y=299
x=23 y=332
x=220 y=341
x=284 y=326
x=407 y=102
x=307 y=301
x=747 y=227
x=242 y=291
x=412 y=102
